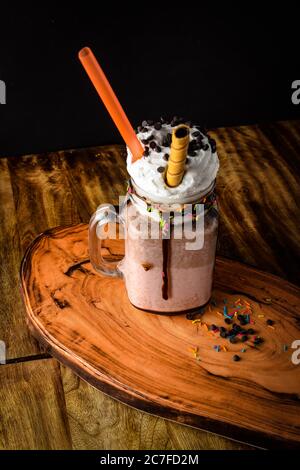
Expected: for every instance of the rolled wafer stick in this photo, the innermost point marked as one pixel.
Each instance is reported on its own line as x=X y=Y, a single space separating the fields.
x=179 y=149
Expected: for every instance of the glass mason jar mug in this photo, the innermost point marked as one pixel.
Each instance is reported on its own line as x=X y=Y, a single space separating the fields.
x=169 y=250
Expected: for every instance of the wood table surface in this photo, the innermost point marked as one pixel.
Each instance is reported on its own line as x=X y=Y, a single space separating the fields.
x=43 y=404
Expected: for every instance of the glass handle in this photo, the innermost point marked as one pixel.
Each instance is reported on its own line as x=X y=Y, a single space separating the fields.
x=104 y=215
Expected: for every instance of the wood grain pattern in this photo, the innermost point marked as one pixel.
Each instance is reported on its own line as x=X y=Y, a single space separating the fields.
x=96 y=176
x=258 y=211
x=13 y=329
x=32 y=412
x=142 y=359
x=259 y=164
x=99 y=422
x=258 y=195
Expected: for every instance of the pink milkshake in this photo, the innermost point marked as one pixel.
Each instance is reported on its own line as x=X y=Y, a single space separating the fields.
x=169 y=273
x=162 y=275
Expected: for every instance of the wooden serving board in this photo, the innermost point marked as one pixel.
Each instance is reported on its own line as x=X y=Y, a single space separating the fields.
x=149 y=361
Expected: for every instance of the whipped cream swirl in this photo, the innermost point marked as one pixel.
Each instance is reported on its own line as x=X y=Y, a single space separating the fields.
x=147 y=173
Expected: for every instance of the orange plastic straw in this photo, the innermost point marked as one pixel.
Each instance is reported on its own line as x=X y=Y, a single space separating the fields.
x=110 y=101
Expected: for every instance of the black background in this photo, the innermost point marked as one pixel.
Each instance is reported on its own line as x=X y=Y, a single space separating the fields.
x=215 y=65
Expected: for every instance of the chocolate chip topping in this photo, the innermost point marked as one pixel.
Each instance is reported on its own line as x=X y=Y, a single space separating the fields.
x=146 y=141
x=192 y=148
x=258 y=341
x=147 y=266
x=176 y=121
x=194 y=145
x=196 y=134
x=155 y=144
x=161 y=169
x=213 y=145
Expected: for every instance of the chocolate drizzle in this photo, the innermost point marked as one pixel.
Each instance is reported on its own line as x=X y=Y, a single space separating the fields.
x=165 y=277
x=166 y=220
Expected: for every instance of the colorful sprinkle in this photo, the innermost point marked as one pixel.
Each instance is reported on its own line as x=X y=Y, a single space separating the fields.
x=236 y=313
x=228 y=315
